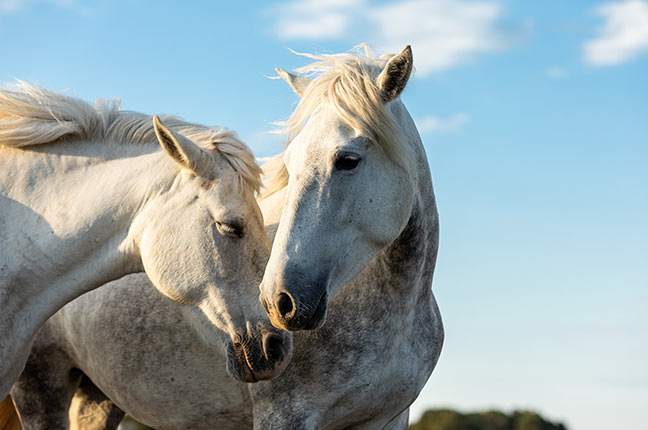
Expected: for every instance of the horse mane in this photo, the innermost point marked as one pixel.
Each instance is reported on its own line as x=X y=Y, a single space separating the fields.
x=32 y=115
x=347 y=83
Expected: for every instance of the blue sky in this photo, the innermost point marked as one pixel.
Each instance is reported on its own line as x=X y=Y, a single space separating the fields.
x=535 y=120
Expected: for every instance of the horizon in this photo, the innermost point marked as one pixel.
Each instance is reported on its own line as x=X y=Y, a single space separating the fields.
x=535 y=123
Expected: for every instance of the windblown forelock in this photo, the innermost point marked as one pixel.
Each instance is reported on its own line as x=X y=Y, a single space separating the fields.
x=347 y=83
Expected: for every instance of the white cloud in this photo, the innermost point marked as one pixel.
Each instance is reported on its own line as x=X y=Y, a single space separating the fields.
x=11 y=6
x=443 y=33
x=434 y=124
x=8 y=6
x=623 y=35
x=315 y=19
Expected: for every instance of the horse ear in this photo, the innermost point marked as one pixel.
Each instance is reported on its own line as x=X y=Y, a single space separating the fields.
x=181 y=149
x=394 y=77
x=296 y=82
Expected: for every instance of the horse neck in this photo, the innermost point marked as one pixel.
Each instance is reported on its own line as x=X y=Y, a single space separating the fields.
x=408 y=262
x=79 y=200
x=402 y=272
x=400 y=276
x=106 y=186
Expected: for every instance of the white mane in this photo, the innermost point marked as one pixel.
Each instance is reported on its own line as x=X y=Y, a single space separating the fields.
x=35 y=116
x=347 y=83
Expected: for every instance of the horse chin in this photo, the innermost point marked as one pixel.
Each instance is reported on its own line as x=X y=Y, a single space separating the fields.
x=237 y=366
x=249 y=376
x=241 y=364
x=270 y=373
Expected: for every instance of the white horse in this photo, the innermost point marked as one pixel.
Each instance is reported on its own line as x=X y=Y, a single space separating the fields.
x=356 y=244
x=88 y=195
x=383 y=336
x=153 y=365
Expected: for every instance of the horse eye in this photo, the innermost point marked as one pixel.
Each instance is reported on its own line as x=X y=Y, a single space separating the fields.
x=347 y=162
x=229 y=229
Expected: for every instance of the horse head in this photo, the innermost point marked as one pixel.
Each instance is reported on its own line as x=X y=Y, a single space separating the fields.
x=203 y=244
x=348 y=180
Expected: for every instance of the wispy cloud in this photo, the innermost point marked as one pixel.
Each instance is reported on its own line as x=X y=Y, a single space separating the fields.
x=315 y=19
x=435 y=124
x=11 y=6
x=556 y=72
x=443 y=33
x=8 y=6
x=622 y=37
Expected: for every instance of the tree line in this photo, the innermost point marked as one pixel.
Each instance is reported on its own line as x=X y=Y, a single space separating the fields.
x=448 y=419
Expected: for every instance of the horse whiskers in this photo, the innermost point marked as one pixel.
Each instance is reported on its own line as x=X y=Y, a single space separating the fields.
x=303 y=305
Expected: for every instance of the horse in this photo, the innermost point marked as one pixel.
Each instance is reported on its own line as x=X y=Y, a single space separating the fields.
x=90 y=194
x=101 y=356
x=383 y=335
x=354 y=251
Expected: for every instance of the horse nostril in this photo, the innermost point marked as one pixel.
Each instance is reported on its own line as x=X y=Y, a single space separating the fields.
x=273 y=347
x=285 y=305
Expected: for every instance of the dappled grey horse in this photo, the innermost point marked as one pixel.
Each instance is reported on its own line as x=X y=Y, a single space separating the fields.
x=354 y=253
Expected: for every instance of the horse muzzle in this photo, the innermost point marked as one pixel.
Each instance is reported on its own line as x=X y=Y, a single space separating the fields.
x=297 y=312
x=253 y=358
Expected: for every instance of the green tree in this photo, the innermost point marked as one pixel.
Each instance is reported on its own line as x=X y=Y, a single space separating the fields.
x=448 y=419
